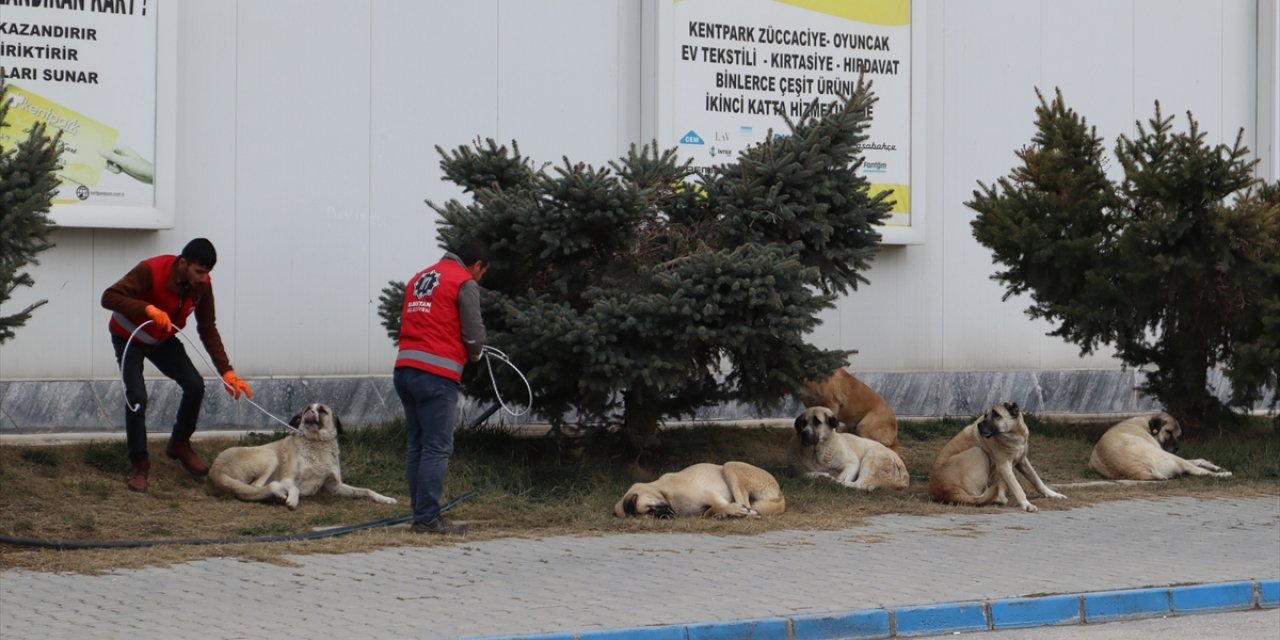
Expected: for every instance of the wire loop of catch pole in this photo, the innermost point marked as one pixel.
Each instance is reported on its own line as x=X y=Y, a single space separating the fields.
x=490 y=354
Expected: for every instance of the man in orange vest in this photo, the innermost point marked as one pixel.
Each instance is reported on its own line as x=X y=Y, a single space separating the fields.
x=164 y=291
x=440 y=331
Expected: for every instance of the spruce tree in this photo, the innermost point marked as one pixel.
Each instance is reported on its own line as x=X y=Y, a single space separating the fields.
x=647 y=289
x=27 y=185
x=1162 y=266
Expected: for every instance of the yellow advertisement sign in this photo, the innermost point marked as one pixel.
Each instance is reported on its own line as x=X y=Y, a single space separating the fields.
x=84 y=139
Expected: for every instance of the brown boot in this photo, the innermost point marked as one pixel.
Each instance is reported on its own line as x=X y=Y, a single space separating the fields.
x=137 y=478
x=181 y=451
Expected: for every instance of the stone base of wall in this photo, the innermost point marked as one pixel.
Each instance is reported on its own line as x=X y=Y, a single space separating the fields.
x=58 y=406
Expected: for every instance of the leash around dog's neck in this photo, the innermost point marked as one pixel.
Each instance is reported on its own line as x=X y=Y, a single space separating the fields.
x=489 y=353
x=136 y=407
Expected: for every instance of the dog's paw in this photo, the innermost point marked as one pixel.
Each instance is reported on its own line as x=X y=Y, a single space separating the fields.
x=1030 y=508
x=385 y=500
x=1054 y=494
x=1221 y=474
x=278 y=490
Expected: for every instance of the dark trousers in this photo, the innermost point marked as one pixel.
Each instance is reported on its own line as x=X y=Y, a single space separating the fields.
x=171 y=359
x=430 y=414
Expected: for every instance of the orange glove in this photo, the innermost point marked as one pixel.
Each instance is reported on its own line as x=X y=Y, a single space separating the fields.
x=160 y=319
x=234 y=385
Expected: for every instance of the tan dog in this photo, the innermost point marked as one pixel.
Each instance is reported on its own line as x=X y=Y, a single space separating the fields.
x=856 y=405
x=976 y=466
x=817 y=449
x=731 y=490
x=295 y=466
x=1144 y=448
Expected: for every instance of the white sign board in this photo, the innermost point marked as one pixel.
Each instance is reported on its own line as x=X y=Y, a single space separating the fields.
x=93 y=70
x=729 y=70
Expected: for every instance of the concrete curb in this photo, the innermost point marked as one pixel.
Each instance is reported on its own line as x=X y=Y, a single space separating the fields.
x=939 y=619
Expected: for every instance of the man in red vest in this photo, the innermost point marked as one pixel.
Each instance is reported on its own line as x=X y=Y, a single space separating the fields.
x=158 y=295
x=440 y=331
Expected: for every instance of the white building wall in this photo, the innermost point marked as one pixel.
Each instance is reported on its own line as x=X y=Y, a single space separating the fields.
x=933 y=306
x=306 y=135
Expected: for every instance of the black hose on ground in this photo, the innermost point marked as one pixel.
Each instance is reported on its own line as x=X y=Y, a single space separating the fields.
x=289 y=537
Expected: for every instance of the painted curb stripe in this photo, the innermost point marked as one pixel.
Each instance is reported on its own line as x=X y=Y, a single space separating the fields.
x=933 y=619
x=1010 y=613
x=1228 y=596
x=1269 y=594
x=759 y=628
x=1035 y=612
x=871 y=623
x=1122 y=605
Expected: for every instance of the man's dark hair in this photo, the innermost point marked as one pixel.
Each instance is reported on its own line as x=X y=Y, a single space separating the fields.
x=201 y=252
x=473 y=251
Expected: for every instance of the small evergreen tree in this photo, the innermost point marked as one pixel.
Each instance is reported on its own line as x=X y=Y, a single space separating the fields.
x=27 y=185
x=651 y=289
x=1160 y=265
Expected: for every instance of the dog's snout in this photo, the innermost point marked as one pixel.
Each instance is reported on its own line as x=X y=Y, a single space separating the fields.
x=987 y=428
x=310 y=415
x=807 y=435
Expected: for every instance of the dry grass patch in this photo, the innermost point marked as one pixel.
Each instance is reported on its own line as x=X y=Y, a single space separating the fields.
x=525 y=487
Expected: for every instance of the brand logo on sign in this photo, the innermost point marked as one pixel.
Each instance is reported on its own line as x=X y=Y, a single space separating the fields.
x=691 y=138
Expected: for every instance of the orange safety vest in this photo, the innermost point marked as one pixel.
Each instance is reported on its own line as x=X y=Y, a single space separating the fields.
x=178 y=306
x=430 y=327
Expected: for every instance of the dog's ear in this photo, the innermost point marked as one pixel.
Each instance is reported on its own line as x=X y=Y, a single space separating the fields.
x=629 y=503
x=1154 y=424
x=833 y=422
x=799 y=422
x=337 y=424
x=295 y=420
x=1012 y=408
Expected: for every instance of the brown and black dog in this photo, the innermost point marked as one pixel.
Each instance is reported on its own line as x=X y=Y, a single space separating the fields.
x=817 y=450
x=856 y=406
x=976 y=466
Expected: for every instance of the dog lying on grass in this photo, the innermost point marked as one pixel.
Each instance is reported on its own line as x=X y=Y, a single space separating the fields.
x=858 y=407
x=1145 y=448
x=732 y=490
x=818 y=450
x=290 y=468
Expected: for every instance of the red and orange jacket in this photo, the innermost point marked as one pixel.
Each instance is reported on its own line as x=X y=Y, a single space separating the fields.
x=440 y=324
x=154 y=281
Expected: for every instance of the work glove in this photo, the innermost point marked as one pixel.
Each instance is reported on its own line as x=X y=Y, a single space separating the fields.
x=160 y=319
x=234 y=385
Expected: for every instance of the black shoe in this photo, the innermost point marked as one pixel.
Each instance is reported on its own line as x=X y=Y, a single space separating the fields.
x=439 y=526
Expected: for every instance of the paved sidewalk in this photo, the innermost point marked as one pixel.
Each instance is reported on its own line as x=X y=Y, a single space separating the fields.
x=519 y=586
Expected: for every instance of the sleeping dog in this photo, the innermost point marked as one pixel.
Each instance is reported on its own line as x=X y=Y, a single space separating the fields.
x=732 y=490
